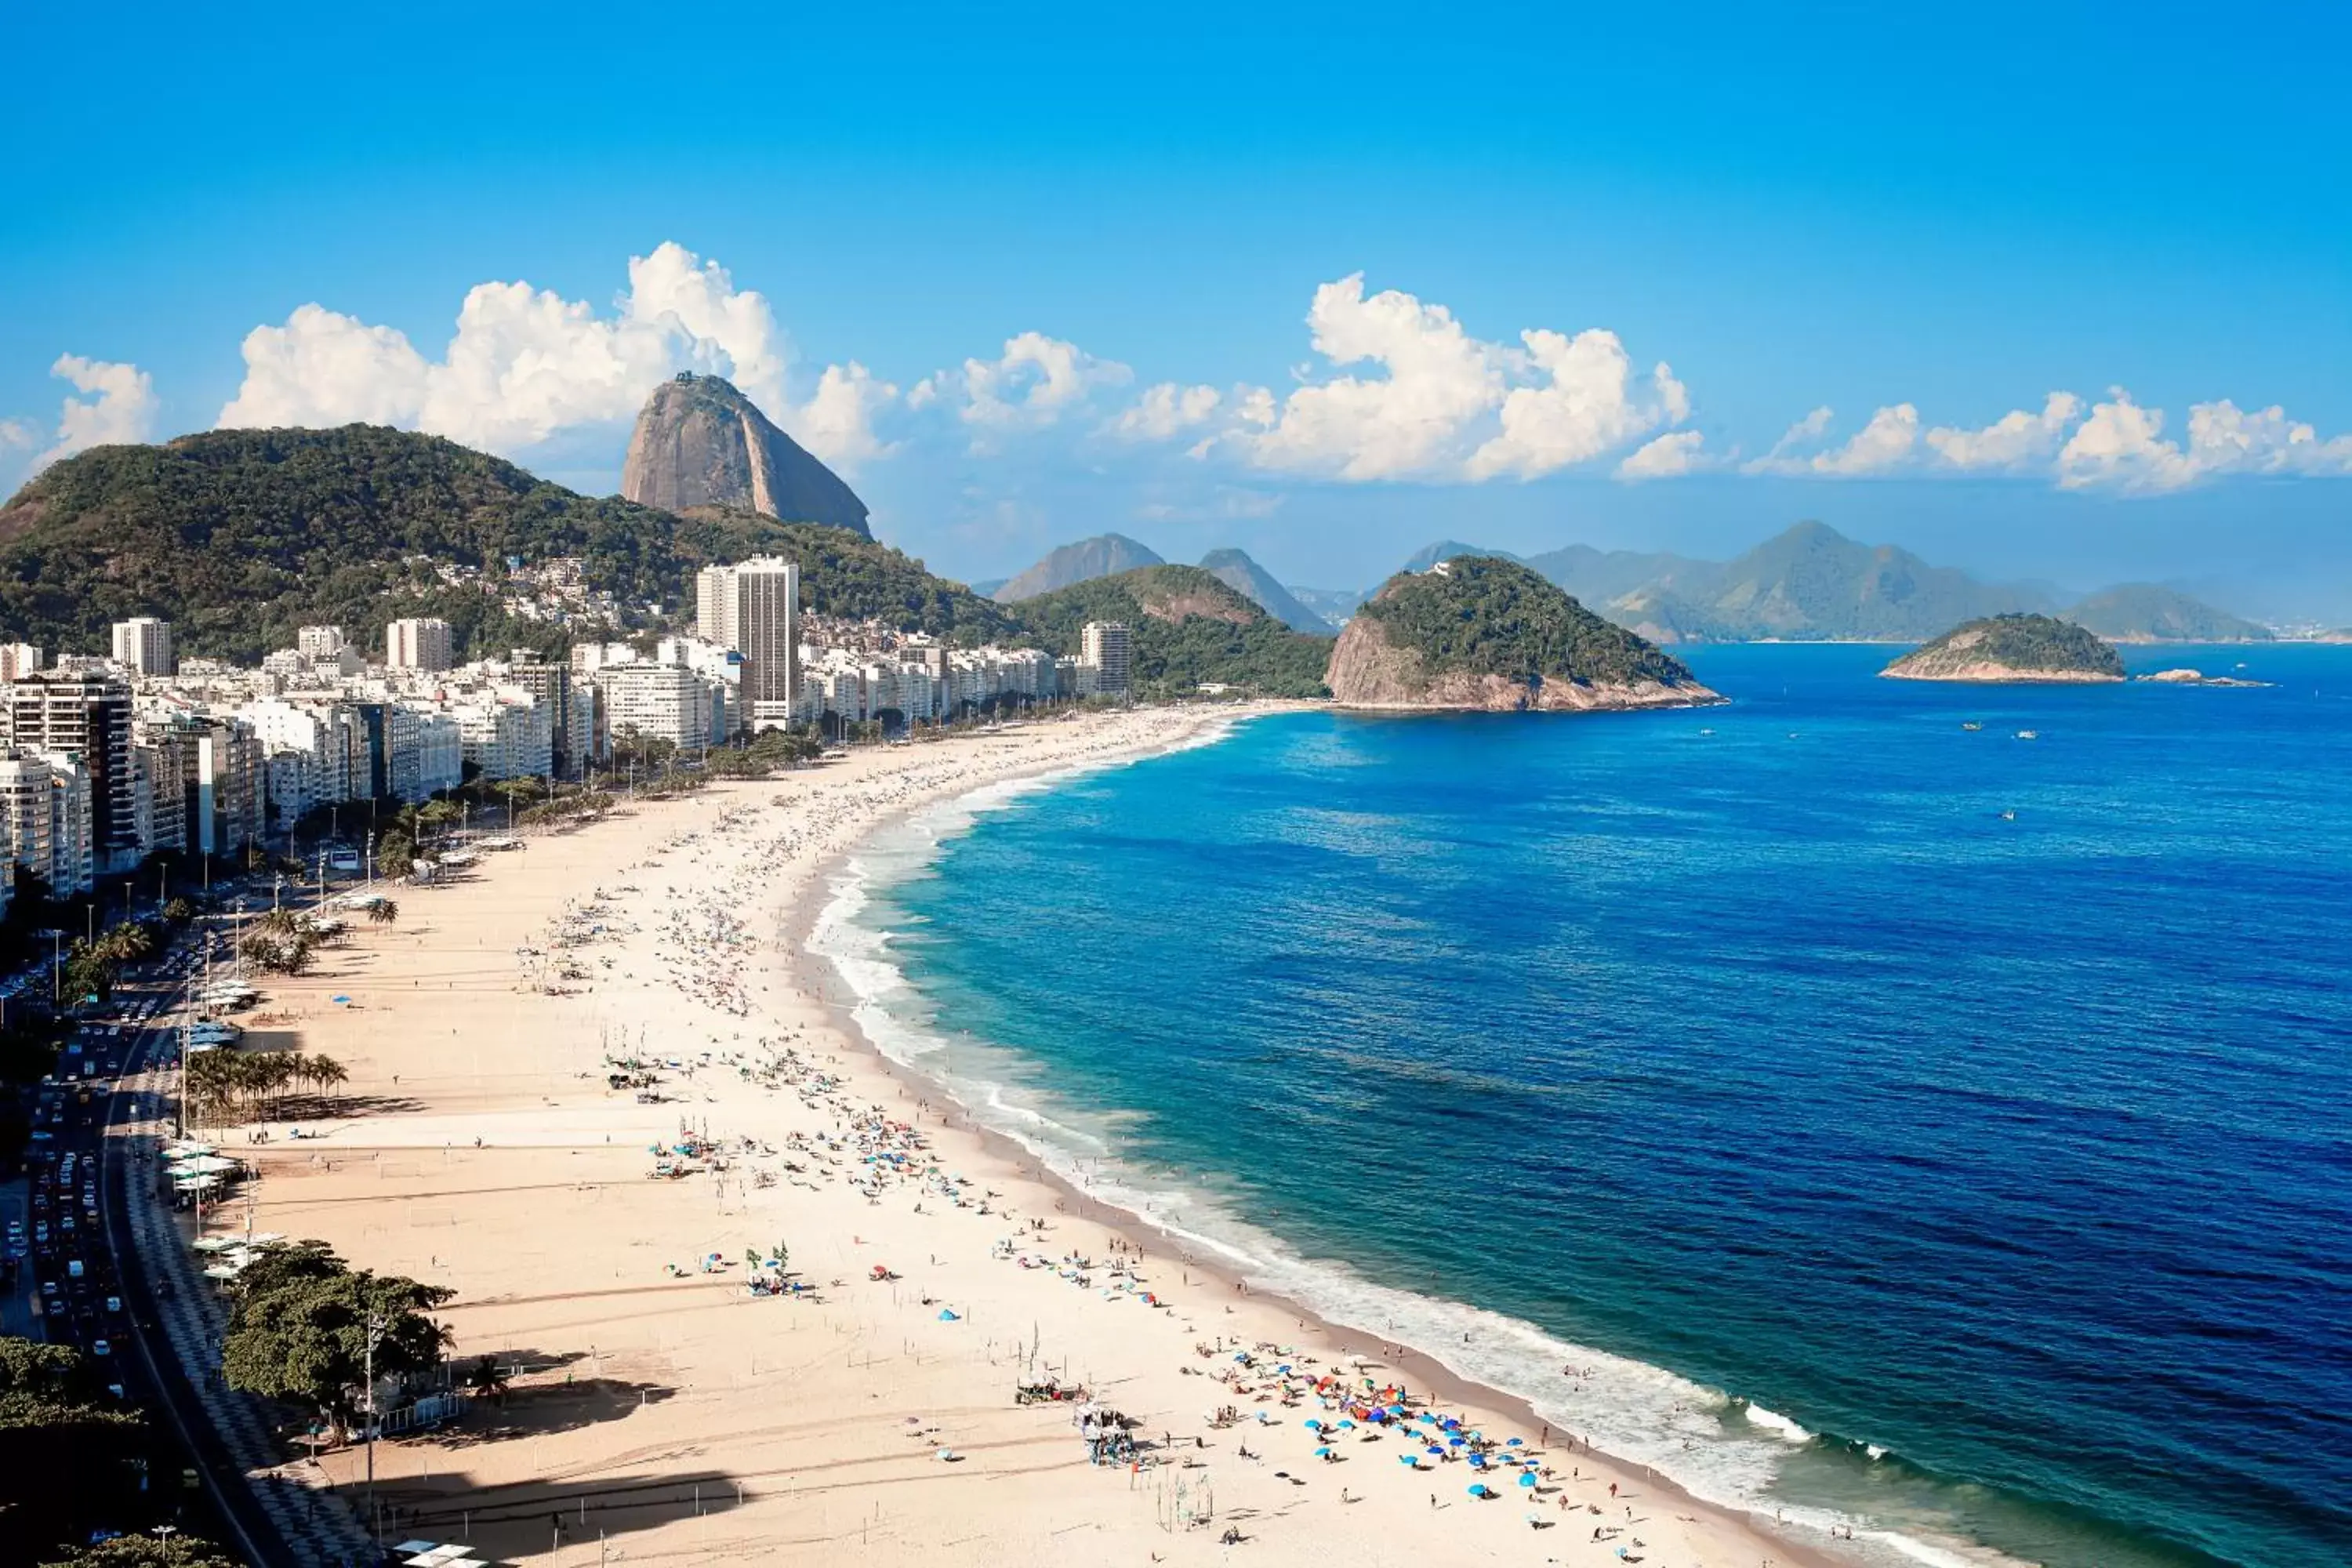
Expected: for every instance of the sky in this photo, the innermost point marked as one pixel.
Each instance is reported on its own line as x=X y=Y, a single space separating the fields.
x=2052 y=292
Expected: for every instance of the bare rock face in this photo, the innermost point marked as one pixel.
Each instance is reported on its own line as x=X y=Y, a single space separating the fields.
x=700 y=442
x=1367 y=670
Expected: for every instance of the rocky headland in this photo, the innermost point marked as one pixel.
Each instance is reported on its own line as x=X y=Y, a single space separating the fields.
x=1481 y=634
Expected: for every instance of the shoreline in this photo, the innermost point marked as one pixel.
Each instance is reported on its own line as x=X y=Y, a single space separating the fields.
x=819 y=975
x=496 y=1158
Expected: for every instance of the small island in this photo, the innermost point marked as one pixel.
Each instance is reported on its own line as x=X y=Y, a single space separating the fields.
x=1479 y=634
x=2011 y=648
x=2197 y=678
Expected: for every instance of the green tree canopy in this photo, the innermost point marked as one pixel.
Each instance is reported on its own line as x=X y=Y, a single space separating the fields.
x=300 y=1324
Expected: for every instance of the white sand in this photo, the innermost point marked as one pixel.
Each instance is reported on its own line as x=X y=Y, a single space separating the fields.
x=807 y=1429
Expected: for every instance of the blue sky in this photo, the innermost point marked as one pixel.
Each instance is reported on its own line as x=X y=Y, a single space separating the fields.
x=1021 y=229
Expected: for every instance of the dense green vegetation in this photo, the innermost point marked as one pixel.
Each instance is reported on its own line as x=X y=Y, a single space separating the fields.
x=1486 y=616
x=1188 y=628
x=2020 y=642
x=300 y=1322
x=72 y=1457
x=145 y=1552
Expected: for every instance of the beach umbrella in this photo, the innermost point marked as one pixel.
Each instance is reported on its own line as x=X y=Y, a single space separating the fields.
x=1479 y=1490
x=339 y=999
x=1312 y=1425
x=1512 y=1442
x=1527 y=1477
x=1411 y=1461
x=1323 y=1453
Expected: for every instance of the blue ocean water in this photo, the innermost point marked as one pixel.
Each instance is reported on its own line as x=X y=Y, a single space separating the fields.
x=1748 y=1087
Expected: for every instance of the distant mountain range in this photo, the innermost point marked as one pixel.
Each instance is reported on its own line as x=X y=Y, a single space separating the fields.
x=1104 y=555
x=1110 y=554
x=1246 y=576
x=1811 y=584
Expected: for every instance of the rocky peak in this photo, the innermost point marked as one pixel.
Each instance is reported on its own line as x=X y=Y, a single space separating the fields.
x=700 y=442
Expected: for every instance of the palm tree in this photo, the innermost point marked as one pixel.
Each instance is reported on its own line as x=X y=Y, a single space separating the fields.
x=327 y=1073
x=384 y=912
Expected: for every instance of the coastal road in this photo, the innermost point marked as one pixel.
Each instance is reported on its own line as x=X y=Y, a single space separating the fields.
x=271 y=1517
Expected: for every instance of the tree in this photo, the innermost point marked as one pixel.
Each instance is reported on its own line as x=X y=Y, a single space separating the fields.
x=145 y=1551
x=396 y=854
x=488 y=1379
x=384 y=912
x=179 y=911
x=300 y=1322
x=71 y=1457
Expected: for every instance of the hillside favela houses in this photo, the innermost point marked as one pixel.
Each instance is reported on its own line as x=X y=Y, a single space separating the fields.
x=107 y=761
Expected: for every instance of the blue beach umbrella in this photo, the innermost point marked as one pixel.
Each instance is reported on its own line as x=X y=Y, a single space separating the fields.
x=1322 y=1453
x=1409 y=1461
x=1312 y=1425
x=1527 y=1477
x=1479 y=1490
x=1514 y=1443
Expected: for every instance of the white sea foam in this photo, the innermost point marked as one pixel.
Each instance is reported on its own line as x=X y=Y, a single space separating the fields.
x=1773 y=1421
x=1637 y=1412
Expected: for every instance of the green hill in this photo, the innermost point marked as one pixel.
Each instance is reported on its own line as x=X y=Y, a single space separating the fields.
x=1188 y=627
x=237 y=537
x=2011 y=648
x=1486 y=616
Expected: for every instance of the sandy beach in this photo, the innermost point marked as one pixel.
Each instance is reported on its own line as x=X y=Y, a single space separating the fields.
x=595 y=1230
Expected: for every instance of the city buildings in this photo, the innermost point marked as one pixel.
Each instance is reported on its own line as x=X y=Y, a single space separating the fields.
x=753 y=608
x=19 y=659
x=142 y=645
x=1108 y=647
x=417 y=644
x=85 y=716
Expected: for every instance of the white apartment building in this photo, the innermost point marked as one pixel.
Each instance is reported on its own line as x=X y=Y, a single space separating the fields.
x=19 y=659
x=142 y=645
x=419 y=643
x=320 y=644
x=753 y=608
x=1110 y=647
x=662 y=702
x=505 y=734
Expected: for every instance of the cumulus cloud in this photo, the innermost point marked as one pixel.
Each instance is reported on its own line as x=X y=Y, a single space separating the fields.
x=837 y=423
x=1410 y=421
x=1670 y=455
x=1032 y=382
x=17 y=436
x=525 y=363
x=1587 y=403
x=1884 y=444
x=2122 y=445
x=2015 y=440
x=120 y=406
x=1167 y=410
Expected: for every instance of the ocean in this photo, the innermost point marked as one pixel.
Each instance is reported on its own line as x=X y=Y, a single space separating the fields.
x=1848 y=1112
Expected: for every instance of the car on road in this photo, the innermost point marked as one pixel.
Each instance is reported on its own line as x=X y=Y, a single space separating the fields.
x=99 y=1347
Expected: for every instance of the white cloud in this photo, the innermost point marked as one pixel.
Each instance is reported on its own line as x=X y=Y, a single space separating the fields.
x=17 y=436
x=1672 y=455
x=2122 y=444
x=1411 y=420
x=2014 y=441
x=525 y=363
x=1166 y=410
x=122 y=406
x=838 y=422
x=1885 y=442
x=1034 y=382
x=1587 y=404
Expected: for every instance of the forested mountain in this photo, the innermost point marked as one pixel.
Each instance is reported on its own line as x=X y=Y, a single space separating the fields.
x=2013 y=648
x=239 y=537
x=1188 y=627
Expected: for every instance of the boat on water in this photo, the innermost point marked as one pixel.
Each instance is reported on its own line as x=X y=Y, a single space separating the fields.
x=2008 y=817
x=1972 y=724
x=2028 y=735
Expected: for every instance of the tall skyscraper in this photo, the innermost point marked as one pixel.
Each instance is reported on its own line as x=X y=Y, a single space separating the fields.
x=142 y=645
x=1110 y=648
x=417 y=644
x=87 y=717
x=755 y=608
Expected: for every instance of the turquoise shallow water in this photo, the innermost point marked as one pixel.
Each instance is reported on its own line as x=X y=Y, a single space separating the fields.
x=1653 y=1066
